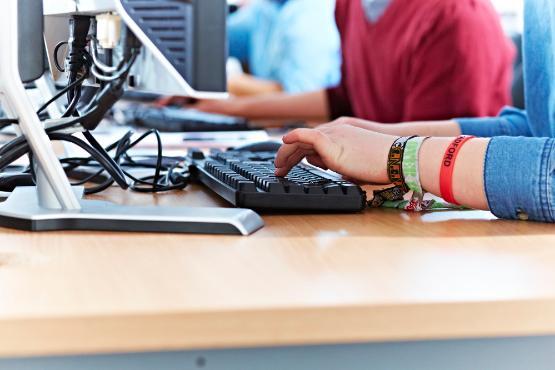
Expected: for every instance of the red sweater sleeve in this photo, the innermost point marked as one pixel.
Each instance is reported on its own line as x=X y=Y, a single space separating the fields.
x=339 y=101
x=450 y=75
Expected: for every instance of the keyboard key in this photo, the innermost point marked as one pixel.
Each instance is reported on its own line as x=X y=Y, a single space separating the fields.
x=333 y=189
x=276 y=187
x=247 y=186
x=351 y=189
x=314 y=190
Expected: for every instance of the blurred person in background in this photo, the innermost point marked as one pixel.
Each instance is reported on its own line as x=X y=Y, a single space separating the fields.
x=287 y=45
x=402 y=60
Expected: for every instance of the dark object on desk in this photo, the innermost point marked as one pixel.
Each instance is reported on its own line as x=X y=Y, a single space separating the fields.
x=172 y=119
x=10 y=181
x=264 y=146
x=247 y=180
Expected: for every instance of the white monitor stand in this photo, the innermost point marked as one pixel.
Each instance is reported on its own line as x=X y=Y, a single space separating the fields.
x=54 y=205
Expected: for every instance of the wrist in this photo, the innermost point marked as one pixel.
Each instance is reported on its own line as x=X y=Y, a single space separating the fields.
x=468 y=182
x=431 y=155
x=381 y=176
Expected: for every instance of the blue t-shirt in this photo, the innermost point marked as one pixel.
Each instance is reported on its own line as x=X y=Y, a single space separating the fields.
x=295 y=42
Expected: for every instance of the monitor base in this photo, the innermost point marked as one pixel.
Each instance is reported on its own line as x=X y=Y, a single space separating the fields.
x=22 y=211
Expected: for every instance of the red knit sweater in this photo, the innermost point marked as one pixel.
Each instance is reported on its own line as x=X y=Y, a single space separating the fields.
x=422 y=60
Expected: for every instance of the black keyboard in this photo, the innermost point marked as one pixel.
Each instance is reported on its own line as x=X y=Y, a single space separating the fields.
x=173 y=119
x=247 y=180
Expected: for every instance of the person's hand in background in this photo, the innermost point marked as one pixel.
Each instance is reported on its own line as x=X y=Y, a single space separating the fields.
x=169 y=101
x=351 y=151
x=229 y=107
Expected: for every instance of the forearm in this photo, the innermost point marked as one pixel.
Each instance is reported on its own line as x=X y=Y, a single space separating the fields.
x=247 y=85
x=513 y=176
x=433 y=128
x=307 y=106
x=468 y=176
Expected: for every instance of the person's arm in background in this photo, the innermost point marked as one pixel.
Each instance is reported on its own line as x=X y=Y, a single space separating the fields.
x=512 y=177
x=319 y=106
x=247 y=85
x=311 y=106
x=510 y=122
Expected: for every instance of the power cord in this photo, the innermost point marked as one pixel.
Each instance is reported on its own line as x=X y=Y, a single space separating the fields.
x=168 y=173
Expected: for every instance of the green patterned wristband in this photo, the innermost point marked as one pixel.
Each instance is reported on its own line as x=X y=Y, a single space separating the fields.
x=411 y=170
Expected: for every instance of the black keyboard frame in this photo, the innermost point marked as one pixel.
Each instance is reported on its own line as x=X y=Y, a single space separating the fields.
x=259 y=199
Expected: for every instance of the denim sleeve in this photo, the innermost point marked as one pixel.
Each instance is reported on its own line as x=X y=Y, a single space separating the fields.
x=520 y=178
x=510 y=122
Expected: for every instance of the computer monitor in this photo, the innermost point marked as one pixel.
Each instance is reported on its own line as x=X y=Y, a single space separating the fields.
x=184 y=41
x=185 y=37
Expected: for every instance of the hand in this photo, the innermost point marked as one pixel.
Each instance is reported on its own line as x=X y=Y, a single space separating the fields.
x=353 y=152
x=360 y=123
x=168 y=101
x=229 y=107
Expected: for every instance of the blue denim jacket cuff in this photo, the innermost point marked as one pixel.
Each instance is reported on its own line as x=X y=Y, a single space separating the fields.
x=510 y=122
x=519 y=175
x=480 y=127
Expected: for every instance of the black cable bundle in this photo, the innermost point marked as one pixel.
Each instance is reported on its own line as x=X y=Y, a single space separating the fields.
x=169 y=173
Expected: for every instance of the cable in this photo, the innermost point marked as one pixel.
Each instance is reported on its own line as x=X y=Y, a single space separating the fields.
x=106 y=164
x=5 y=122
x=56 y=50
x=62 y=92
x=8 y=121
x=80 y=64
x=94 y=53
x=72 y=107
x=166 y=177
x=119 y=177
x=122 y=71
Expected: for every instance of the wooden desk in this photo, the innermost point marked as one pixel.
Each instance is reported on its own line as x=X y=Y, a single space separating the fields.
x=381 y=276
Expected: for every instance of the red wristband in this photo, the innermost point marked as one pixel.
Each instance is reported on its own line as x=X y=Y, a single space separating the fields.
x=448 y=167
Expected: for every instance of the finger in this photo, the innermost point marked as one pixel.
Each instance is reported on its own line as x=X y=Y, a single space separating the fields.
x=320 y=143
x=293 y=160
x=286 y=150
x=303 y=135
x=284 y=153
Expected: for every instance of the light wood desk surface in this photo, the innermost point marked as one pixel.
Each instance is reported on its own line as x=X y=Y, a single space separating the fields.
x=377 y=276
